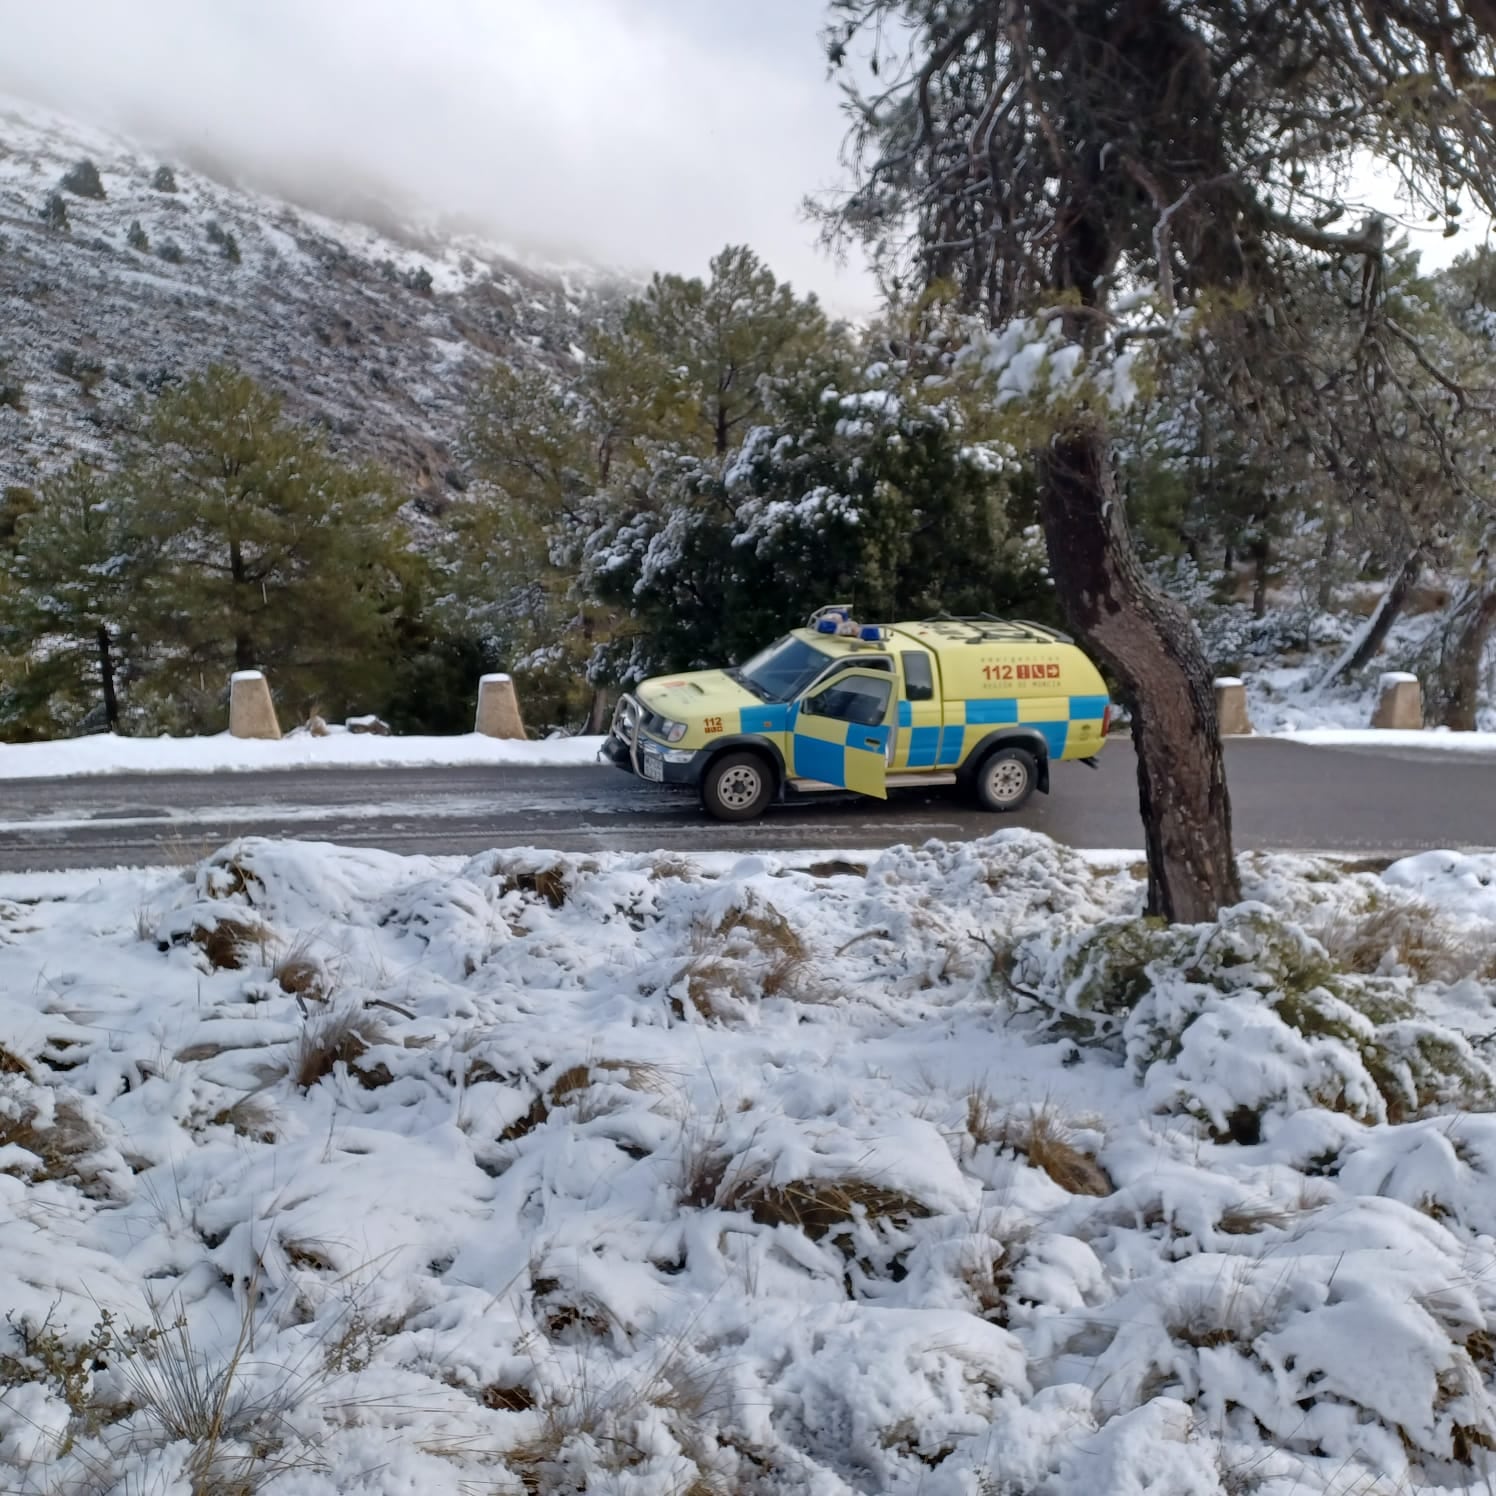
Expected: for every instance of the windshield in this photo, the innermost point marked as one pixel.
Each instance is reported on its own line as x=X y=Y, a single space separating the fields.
x=783 y=670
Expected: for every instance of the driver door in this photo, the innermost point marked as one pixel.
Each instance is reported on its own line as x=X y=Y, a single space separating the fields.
x=840 y=732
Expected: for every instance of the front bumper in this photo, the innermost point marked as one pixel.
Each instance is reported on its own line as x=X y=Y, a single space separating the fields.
x=628 y=749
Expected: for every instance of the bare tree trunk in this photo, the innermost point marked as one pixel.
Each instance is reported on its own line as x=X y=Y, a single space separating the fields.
x=1262 y=557
x=1364 y=647
x=244 y=645
x=106 y=676
x=1149 y=644
x=1324 y=593
x=1459 y=671
x=597 y=715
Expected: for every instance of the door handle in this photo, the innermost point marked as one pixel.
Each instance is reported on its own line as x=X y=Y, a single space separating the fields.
x=871 y=743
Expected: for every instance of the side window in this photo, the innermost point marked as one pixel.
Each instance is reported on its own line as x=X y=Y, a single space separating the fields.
x=864 y=703
x=919 y=679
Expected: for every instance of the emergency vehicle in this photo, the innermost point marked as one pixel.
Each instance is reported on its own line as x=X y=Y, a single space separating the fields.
x=981 y=704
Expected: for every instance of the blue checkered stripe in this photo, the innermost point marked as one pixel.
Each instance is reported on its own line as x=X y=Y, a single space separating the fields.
x=945 y=747
x=776 y=717
x=818 y=758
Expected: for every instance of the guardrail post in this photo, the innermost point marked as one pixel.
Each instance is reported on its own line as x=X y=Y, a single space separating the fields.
x=251 y=711
x=498 y=708
x=1231 y=707
x=1399 y=701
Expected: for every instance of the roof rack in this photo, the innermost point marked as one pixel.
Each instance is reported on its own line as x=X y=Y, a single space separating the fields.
x=1043 y=628
x=990 y=627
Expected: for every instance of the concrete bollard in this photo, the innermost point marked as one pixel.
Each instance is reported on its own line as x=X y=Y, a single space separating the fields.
x=1231 y=707
x=498 y=708
x=1399 y=701
x=251 y=712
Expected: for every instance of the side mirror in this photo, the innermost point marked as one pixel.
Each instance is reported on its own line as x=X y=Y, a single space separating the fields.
x=815 y=705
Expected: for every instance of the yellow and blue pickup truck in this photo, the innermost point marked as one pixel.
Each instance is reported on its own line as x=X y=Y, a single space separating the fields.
x=981 y=704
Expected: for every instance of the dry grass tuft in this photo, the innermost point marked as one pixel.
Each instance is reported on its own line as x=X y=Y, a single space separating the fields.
x=251 y=1117
x=548 y=884
x=226 y=942
x=984 y=1121
x=516 y=1399
x=1248 y=1220
x=301 y=974
x=303 y=1253
x=524 y=1125
x=680 y=869
x=341 y=1038
x=12 y=1064
x=229 y=879
x=1411 y=934
x=563 y=1310
x=1047 y=1144
x=836 y=867
x=749 y=954
x=571 y=1081
x=575 y=1084
x=61 y=1149
x=703 y=1167
x=819 y=1207
x=987 y=1270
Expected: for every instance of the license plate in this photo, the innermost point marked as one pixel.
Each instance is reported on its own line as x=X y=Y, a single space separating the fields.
x=653 y=767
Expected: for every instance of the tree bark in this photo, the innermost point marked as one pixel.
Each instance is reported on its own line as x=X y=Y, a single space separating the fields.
x=1148 y=643
x=597 y=715
x=1262 y=556
x=106 y=677
x=244 y=645
x=1460 y=669
x=1374 y=635
x=1324 y=593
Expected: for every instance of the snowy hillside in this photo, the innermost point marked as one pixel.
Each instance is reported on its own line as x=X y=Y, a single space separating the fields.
x=373 y=334
x=648 y=1176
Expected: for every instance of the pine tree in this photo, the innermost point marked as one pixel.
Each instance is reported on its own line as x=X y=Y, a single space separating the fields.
x=165 y=179
x=12 y=390
x=74 y=561
x=83 y=180
x=714 y=341
x=55 y=214
x=272 y=553
x=137 y=239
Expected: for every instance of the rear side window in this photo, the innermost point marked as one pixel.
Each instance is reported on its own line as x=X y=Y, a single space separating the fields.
x=919 y=679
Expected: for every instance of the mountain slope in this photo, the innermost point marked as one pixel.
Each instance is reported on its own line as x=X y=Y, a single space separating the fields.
x=374 y=334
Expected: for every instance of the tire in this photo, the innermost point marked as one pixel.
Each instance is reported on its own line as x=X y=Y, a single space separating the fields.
x=737 y=787
x=1005 y=779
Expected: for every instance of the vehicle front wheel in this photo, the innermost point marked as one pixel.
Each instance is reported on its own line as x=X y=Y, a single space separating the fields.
x=737 y=787
x=1006 y=779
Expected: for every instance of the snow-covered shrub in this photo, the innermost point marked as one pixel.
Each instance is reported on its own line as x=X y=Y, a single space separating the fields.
x=1246 y=1016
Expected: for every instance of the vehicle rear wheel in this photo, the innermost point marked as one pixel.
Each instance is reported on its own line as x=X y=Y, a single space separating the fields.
x=1005 y=779
x=737 y=787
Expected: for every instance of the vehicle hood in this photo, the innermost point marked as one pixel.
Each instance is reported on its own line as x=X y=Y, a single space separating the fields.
x=701 y=693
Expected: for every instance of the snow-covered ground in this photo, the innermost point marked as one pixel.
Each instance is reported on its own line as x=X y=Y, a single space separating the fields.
x=1285 y=690
x=220 y=753
x=639 y=1174
x=1388 y=738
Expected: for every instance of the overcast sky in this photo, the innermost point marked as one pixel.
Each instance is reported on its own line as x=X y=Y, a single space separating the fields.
x=646 y=133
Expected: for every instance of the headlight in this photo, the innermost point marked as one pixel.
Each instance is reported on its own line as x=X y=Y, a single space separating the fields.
x=674 y=731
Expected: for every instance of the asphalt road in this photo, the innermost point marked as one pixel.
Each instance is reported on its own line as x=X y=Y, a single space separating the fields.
x=1285 y=797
